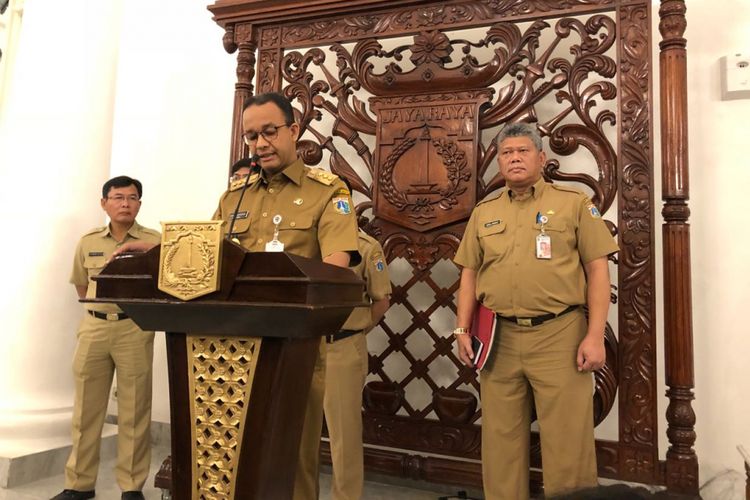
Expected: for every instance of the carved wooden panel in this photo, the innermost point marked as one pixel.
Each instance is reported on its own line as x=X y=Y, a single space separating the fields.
x=403 y=99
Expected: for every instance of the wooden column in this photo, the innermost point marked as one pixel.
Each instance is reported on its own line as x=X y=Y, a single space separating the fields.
x=681 y=475
x=242 y=37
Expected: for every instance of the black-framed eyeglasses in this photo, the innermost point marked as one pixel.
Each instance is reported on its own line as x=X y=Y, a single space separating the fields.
x=269 y=133
x=119 y=199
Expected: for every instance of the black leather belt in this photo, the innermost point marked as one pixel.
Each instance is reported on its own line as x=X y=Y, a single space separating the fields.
x=108 y=316
x=537 y=320
x=340 y=335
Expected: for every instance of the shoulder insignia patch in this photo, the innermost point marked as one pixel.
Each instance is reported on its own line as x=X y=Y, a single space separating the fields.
x=342 y=205
x=323 y=176
x=342 y=192
x=593 y=211
x=380 y=265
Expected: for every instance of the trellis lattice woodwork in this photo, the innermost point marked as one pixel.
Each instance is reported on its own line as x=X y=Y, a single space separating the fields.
x=403 y=99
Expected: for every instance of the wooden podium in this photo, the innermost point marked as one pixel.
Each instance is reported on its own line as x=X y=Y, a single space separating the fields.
x=240 y=363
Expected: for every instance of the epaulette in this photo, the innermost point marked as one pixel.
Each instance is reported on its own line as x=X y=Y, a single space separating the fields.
x=96 y=230
x=151 y=231
x=235 y=185
x=565 y=188
x=363 y=236
x=323 y=176
x=491 y=198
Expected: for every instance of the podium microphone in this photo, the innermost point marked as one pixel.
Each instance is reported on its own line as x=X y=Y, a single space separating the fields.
x=254 y=169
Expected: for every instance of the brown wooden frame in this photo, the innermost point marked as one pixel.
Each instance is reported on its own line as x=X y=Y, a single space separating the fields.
x=260 y=30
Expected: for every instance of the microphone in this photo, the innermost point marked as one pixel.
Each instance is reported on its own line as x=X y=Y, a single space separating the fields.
x=254 y=169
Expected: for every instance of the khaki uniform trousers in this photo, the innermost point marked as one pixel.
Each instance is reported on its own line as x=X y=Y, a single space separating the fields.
x=306 y=484
x=103 y=347
x=539 y=360
x=346 y=371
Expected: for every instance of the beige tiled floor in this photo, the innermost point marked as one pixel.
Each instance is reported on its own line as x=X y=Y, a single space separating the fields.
x=107 y=489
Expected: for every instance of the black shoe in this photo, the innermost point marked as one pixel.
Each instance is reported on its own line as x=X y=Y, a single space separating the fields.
x=74 y=495
x=132 y=495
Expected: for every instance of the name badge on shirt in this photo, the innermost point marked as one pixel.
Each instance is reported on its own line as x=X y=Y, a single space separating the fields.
x=543 y=246
x=96 y=254
x=275 y=245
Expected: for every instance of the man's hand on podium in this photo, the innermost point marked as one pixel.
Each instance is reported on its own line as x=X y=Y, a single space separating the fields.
x=132 y=247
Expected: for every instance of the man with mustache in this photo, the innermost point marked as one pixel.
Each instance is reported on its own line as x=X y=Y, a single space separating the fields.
x=535 y=254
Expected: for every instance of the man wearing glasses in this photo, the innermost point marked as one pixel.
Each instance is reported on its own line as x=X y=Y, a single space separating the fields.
x=292 y=208
x=109 y=341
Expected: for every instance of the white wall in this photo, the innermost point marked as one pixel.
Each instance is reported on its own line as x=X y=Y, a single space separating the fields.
x=172 y=123
x=720 y=176
x=55 y=142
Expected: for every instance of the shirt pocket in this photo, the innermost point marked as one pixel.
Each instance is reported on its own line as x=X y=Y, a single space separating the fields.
x=560 y=239
x=94 y=264
x=495 y=240
x=241 y=223
x=297 y=231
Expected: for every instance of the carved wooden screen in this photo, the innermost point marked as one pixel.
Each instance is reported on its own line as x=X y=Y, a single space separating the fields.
x=404 y=99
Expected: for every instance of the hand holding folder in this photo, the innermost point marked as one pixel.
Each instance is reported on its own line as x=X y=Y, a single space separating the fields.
x=482 y=334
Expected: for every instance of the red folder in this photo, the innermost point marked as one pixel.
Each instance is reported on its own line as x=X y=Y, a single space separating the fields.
x=482 y=334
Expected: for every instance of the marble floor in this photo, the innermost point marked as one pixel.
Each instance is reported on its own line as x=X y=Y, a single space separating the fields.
x=107 y=489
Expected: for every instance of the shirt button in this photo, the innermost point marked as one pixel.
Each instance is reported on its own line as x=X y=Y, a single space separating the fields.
x=292 y=224
x=270 y=190
x=265 y=214
x=260 y=240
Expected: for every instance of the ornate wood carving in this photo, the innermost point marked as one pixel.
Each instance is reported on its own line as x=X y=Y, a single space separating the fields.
x=406 y=20
x=404 y=123
x=682 y=463
x=439 y=134
x=638 y=455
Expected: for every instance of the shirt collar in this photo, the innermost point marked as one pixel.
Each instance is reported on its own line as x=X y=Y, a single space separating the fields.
x=135 y=231
x=536 y=189
x=294 y=172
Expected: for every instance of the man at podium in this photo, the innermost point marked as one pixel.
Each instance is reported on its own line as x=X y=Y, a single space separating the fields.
x=289 y=207
x=285 y=206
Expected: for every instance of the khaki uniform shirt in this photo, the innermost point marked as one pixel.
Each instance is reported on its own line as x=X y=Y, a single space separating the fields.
x=374 y=272
x=94 y=250
x=317 y=214
x=500 y=244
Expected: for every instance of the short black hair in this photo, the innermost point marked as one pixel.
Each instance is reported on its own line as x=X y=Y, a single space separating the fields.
x=122 y=181
x=279 y=100
x=242 y=162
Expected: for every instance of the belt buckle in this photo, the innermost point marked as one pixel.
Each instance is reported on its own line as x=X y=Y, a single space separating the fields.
x=524 y=321
x=113 y=316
